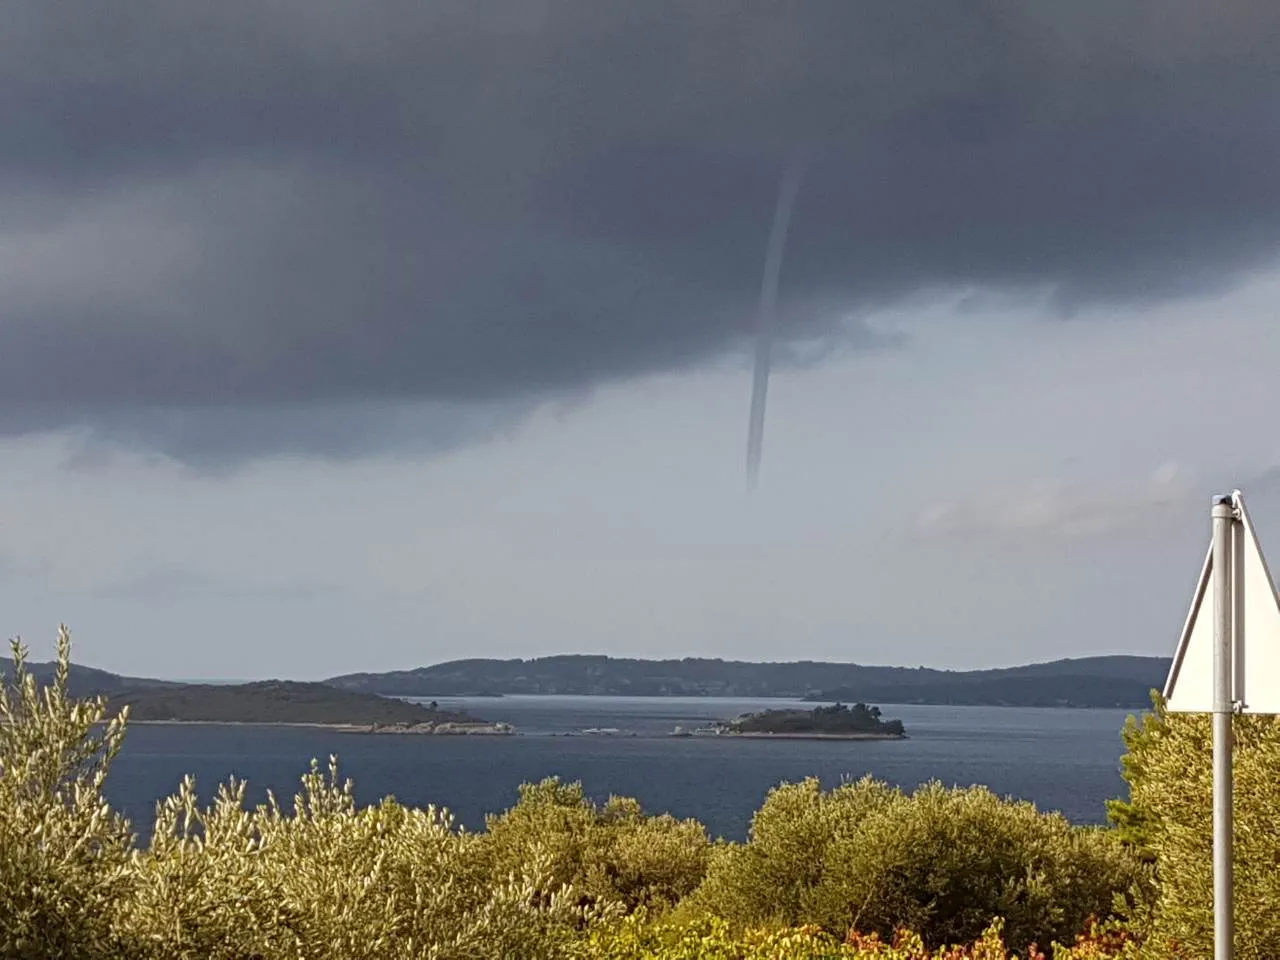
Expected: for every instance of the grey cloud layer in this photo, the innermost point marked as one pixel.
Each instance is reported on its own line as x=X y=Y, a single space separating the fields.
x=254 y=205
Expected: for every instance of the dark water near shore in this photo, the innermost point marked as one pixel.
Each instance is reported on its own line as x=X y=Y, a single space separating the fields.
x=1065 y=760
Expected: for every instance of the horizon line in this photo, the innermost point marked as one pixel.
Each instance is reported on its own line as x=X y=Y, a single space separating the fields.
x=225 y=681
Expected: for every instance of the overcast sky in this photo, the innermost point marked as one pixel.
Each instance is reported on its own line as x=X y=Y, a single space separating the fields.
x=343 y=337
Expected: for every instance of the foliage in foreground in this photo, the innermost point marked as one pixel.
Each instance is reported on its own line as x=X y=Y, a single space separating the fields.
x=712 y=938
x=941 y=862
x=613 y=854
x=557 y=876
x=63 y=852
x=1167 y=820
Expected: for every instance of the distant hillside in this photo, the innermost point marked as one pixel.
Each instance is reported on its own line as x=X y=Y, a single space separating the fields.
x=1019 y=690
x=1115 y=681
x=87 y=681
x=275 y=701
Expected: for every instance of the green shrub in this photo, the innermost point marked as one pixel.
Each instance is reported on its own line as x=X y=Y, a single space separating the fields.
x=1168 y=819
x=329 y=880
x=708 y=938
x=64 y=855
x=711 y=938
x=611 y=854
x=774 y=878
x=943 y=862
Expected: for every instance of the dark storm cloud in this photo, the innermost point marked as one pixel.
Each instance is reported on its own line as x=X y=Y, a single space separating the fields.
x=229 y=208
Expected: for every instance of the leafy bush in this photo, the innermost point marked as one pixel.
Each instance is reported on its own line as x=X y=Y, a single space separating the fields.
x=64 y=855
x=710 y=938
x=943 y=862
x=613 y=854
x=333 y=881
x=1168 y=819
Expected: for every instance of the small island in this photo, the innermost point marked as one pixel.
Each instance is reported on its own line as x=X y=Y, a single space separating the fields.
x=292 y=703
x=835 y=722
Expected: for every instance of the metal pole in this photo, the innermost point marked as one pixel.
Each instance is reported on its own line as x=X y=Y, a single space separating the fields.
x=1224 y=514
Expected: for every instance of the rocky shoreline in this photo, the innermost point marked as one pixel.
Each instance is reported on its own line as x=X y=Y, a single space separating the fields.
x=726 y=732
x=447 y=729
x=763 y=735
x=451 y=728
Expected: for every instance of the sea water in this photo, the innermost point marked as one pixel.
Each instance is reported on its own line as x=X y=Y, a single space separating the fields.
x=1065 y=760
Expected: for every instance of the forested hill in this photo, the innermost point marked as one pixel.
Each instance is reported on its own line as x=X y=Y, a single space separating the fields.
x=1113 y=681
x=275 y=701
x=86 y=681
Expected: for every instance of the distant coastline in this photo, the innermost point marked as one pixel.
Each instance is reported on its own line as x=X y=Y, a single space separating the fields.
x=1108 y=682
x=280 y=702
x=1123 y=682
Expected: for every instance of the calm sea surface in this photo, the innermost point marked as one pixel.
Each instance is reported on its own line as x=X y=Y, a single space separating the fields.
x=1065 y=760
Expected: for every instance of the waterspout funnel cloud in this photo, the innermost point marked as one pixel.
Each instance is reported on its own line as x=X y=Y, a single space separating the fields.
x=767 y=320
